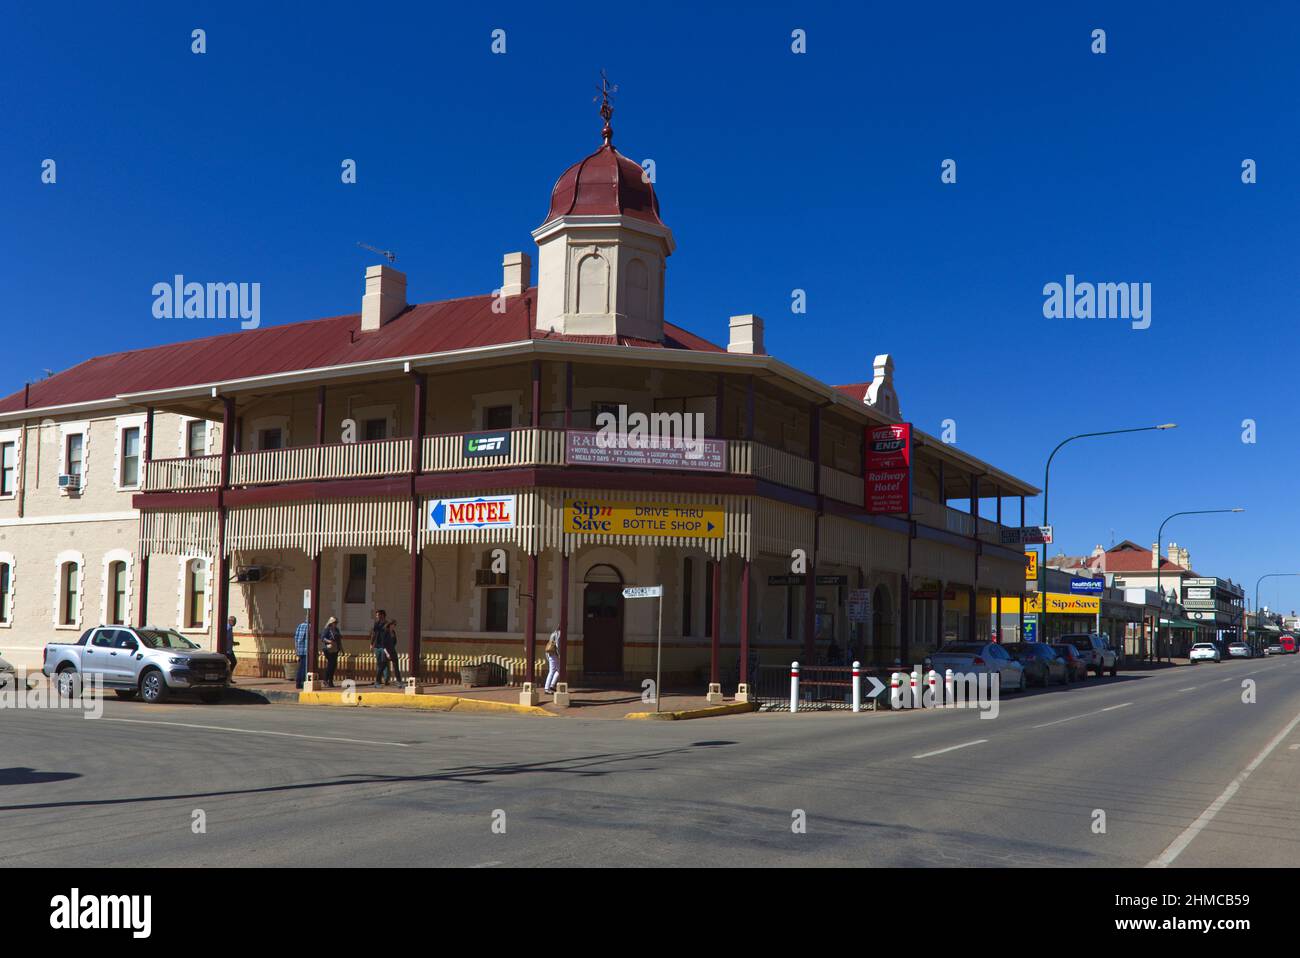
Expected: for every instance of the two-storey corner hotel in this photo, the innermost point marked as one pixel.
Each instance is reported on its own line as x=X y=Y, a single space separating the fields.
x=443 y=461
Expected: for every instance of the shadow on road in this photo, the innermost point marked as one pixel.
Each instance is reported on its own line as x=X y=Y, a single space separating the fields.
x=29 y=776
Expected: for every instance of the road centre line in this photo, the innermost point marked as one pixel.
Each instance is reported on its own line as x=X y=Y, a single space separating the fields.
x=253 y=731
x=951 y=748
x=1176 y=847
x=1109 y=708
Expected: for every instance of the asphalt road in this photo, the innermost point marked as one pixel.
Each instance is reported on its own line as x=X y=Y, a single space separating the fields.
x=1184 y=771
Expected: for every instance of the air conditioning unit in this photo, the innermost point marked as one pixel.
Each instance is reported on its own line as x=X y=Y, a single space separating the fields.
x=252 y=573
x=69 y=481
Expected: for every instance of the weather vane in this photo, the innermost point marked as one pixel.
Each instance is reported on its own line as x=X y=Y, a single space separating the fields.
x=606 y=108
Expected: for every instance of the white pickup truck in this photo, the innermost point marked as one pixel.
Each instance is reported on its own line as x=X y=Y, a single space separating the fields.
x=1095 y=650
x=149 y=662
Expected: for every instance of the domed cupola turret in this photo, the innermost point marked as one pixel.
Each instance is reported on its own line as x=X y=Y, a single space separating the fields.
x=602 y=248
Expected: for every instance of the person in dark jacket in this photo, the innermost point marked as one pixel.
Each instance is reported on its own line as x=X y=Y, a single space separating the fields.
x=331 y=644
x=390 y=647
x=377 y=645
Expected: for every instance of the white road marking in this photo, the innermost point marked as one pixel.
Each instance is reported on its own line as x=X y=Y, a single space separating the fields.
x=254 y=731
x=1176 y=847
x=951 y=748
x=1109 y=708
x=1190 y=688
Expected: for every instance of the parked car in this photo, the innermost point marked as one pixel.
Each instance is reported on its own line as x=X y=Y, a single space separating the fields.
x=1043 y=664
x=1239 y=650
x=1275 y=648
x=8 y=675
x=1076 y=667
x=1095 y=650
x=150 y=662
x=1205 y=652
x=981 y=658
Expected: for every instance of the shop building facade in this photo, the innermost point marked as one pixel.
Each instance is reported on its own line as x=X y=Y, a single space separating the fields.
x=441 y=461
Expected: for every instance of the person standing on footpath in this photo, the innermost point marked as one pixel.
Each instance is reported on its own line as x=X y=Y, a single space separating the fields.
x=379 y=646
x=553 y=661
x=390 y=648
x=331 y=643
x=301 y=638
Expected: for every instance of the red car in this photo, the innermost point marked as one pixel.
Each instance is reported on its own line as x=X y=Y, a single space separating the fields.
x=1288 y=644
x=1075 y=667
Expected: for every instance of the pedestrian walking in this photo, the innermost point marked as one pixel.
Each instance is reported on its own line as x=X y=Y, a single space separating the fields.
x=390 y=647
x=301 y=637
x=230 y=647
x=377 y=645
x=331 y=643
x=553 y=661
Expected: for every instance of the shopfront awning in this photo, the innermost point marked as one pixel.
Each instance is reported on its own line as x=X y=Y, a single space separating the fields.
x=1180 y=623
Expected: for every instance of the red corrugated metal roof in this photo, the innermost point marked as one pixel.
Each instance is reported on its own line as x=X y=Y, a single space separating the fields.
x=606 y=182
x=856 y=391
x=427 y=328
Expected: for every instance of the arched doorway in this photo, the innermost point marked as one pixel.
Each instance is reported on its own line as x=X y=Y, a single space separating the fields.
x=602 y=621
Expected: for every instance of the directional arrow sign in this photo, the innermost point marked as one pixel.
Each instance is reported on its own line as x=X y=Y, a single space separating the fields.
x=877 y=686
x=643 y=592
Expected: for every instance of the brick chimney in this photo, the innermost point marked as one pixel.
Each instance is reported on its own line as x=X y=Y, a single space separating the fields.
x=517 y=274
x=746 y=335
x=385 y=296
x=1155 y=555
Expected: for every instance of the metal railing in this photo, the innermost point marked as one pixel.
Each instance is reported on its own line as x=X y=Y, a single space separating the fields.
x=343 y=460
x=178 y=475
x=528 y=447
x=749 y=458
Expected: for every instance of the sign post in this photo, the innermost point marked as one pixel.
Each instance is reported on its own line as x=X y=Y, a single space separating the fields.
x=652 y=592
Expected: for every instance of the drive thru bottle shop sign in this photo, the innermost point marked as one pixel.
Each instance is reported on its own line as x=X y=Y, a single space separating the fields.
x=889 y=469
x=660 y=519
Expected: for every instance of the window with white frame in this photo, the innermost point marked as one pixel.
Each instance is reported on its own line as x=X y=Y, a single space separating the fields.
x=8 y=467
x=128 y=465
x=69 y=593
x=116 y=586
x=196 y=438
x=6 y=590
x=196 y=594
x=74 y=454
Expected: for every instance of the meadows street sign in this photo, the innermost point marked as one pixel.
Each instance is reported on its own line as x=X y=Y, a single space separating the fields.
x=481 y=512
x=643 y=592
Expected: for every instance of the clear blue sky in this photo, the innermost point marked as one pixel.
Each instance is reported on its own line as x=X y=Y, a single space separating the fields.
x=775 y=171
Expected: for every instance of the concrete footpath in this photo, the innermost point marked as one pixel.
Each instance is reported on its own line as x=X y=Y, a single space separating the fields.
x=598 y=703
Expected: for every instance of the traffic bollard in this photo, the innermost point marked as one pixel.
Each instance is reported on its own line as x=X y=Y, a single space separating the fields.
x=896 y=690
x=949 y=698
x=794 y=686
x=932 y=681
x=857 y=686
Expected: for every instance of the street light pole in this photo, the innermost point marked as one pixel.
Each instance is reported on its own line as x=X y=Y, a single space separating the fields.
x=1269 y=575
x=1158 y=560
x=1047 y=481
